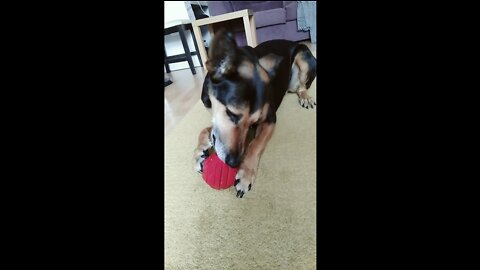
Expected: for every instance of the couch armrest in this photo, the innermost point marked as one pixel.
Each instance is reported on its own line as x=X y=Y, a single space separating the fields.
x=219 y=7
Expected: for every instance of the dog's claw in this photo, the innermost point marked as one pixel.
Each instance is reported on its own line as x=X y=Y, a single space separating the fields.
x=307 y=104
x=244 y=179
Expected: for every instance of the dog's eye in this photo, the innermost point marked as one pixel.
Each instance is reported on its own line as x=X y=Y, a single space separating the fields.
x=234 y=117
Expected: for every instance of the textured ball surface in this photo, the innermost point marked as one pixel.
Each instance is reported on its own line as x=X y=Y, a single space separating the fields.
x=217 y=174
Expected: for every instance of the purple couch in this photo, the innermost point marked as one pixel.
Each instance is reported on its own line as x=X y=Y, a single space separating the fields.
x=273 y=19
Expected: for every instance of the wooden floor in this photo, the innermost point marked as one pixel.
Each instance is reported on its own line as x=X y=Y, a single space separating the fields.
x=185 y=91
x=181 y=95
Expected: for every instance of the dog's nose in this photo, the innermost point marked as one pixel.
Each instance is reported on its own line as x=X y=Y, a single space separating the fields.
x=232 y=160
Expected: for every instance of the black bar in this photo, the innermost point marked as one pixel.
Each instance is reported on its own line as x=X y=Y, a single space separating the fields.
x=176 y=58
x=166 y=62
x=181 y=31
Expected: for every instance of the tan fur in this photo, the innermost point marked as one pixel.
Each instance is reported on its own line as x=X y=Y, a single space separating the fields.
x=263 y=75
x=246 y=69
x=249 y=166
x=255 y=116
x=268 y=61
x=204 y=137
x=264 y=112
x=259 y=115
x=294 y=83
x=203 y=144
x=303 y=70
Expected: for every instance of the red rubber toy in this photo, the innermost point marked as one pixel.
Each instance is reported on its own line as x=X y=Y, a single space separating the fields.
x=217 y=174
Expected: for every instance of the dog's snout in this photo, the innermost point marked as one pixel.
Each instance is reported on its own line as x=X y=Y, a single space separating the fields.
x=232 y=160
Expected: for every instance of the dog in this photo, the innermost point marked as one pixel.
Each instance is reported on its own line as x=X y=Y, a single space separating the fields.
x=243 y=89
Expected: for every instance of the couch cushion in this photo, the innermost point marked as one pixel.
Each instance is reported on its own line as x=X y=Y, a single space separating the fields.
x=291 y=10
x=219 y=7
x=270 y=17
x=256 y=5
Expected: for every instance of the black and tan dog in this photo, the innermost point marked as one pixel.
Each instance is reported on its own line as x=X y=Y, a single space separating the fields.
x=243 y=90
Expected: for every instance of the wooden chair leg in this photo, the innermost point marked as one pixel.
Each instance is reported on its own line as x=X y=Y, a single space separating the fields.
x=200 y=44
x=196 y=47
x=181 y=31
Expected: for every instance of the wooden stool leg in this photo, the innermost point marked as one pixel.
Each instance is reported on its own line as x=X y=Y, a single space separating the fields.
x=250 y=31
x=200 y=44
x=181 y=31
x=253 y=28
x=196 y=47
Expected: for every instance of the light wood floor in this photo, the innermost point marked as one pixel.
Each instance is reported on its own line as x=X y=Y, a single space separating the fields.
x=185 y=91
x=181 y=95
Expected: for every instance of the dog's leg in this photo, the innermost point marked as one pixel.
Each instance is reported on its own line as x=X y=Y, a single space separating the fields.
x=305 y=67
x=248 y=168
x=200 y=153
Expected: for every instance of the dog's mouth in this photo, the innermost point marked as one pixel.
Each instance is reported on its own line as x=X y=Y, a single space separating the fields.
x=220 y=148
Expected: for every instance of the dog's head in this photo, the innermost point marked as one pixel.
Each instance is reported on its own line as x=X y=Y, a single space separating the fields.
x=236 y=89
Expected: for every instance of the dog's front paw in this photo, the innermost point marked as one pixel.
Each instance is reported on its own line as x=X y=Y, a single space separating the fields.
x=305 y=100
x=198 y=158
x=244 y=180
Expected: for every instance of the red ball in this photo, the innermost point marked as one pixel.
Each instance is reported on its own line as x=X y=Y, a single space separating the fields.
x=217 y=174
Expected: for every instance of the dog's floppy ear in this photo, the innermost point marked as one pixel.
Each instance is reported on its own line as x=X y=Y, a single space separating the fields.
x=221 y=54
x=270 y=63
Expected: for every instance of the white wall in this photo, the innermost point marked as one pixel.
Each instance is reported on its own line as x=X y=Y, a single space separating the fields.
x=176 y=10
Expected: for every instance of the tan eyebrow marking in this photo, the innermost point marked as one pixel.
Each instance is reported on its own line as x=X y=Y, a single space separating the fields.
x=246 y=70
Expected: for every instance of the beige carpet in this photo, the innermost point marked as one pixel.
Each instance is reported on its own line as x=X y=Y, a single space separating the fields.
x=272 y=227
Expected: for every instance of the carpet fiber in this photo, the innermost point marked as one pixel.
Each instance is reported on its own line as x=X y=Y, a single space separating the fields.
x=271 y=227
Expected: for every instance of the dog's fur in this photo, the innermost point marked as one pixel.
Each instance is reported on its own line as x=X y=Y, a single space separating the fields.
x=243 y=90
